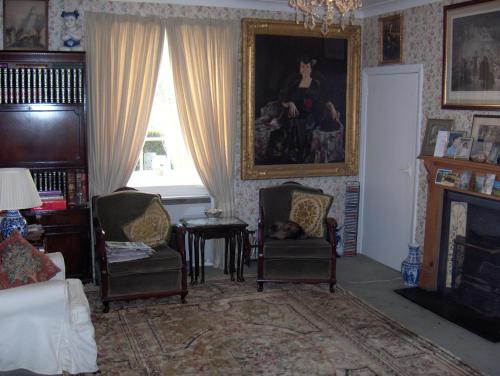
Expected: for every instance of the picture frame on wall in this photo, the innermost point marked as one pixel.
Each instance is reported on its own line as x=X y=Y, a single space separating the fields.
x=470 y=50
x=391 y=39
x=25 y=25
x=486 y=134
x=431 y=133
x=300 y=100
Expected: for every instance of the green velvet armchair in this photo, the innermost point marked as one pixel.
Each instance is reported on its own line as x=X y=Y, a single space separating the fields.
x=304 y=260
x=162 y=274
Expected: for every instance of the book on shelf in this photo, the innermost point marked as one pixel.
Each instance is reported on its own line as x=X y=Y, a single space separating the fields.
x=41 y=83
x=71 y=183
x=52 y=204
x=48 y=195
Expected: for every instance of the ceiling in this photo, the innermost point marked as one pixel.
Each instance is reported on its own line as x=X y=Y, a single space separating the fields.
x=370 y=7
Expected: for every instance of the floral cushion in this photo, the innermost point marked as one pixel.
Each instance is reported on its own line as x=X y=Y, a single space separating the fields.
x=309 y=210
x=153 y=227
x=22 y=264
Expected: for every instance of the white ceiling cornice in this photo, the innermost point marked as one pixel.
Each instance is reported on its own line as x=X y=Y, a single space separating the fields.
x=270 y=5
x=370 y=8
x=376 y=8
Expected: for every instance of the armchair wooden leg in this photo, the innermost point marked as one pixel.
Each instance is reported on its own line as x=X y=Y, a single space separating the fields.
x=332 y=287
x=106 y=307
x=260 y=288
x=183 y=297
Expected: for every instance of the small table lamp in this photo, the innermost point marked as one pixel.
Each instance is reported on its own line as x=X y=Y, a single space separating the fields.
x=17 y=191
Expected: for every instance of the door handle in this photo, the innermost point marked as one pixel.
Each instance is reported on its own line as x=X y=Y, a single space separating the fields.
x=407 y=170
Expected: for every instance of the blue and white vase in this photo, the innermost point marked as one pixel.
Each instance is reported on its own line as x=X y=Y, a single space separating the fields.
x=411 y=266
x=339 y=243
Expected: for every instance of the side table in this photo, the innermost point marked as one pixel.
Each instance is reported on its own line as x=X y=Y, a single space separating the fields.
x=232 y=229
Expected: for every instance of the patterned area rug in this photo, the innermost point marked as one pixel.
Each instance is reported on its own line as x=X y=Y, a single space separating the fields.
x=228 y=328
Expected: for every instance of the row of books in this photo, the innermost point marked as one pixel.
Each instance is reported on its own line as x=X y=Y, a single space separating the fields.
x=477 y=182
x=41 y=85
x=71 y=184
x=351 y=218
x=127 y=251
x=49 y=180
x=52 y=200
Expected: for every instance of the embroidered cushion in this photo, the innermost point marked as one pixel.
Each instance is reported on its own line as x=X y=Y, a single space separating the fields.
x=153 y=227
x=309 y=210
x=22 y=264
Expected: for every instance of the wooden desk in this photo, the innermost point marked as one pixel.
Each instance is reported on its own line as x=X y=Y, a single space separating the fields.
x=232 y=229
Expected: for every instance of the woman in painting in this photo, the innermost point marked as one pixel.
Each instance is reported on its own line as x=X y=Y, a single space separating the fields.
x=306 y=110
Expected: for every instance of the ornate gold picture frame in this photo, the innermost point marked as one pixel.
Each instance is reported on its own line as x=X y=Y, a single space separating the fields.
x=391 y=39
x=300 y=100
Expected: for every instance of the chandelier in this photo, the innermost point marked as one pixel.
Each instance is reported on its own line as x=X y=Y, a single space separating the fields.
x=316 y=11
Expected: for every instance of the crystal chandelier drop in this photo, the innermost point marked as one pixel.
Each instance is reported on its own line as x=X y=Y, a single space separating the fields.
x=316 y=11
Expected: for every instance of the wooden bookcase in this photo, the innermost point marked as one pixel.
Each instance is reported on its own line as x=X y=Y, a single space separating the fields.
x=43 y=128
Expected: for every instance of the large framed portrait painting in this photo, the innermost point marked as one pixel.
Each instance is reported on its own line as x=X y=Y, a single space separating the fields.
x=471 y=75
x=300 y=93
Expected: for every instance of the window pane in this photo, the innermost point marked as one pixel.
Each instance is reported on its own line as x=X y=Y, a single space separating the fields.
x=164 y=160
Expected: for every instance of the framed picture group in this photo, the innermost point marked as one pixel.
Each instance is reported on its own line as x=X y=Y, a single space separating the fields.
x=482 y=145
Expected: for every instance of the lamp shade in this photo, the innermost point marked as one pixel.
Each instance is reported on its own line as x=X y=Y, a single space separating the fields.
x=17 y=189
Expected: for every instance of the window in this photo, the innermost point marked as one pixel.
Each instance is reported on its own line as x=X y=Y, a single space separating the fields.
x=165 y=165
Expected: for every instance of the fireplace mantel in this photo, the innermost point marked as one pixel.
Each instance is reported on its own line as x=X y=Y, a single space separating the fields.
x=430 y=262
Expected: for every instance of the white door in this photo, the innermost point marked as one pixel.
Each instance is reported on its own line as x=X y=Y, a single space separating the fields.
x=390 y=138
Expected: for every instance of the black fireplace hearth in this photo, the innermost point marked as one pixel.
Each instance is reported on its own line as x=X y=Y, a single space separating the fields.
x=447 y=307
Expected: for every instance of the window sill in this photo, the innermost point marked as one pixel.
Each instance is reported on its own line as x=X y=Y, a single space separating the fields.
x=185 y=200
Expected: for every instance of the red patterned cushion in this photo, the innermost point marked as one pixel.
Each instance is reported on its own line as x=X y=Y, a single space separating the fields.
x=22 y=264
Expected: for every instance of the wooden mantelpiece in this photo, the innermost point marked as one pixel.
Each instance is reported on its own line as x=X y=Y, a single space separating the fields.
x=435 y=192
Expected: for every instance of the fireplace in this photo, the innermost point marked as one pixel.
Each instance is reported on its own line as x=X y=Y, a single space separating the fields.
x=468 y=269
x=469 y=262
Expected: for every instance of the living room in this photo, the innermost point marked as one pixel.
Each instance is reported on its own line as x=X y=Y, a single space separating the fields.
x=397 y=192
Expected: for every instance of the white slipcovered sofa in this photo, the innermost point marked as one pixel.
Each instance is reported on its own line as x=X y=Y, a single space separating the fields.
x=46 y=327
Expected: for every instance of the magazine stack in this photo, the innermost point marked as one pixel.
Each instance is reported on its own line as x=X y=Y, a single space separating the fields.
x=127 y=251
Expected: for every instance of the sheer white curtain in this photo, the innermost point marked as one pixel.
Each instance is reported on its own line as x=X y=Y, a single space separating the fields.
x=123 y=59
x=204 y=62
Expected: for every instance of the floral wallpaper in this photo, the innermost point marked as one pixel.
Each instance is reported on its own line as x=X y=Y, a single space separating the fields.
x=246 y=191
x=422 y=44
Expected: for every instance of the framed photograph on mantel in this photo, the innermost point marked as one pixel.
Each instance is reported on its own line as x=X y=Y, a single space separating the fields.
x=25 y=24
x=431 y=133
x=300 y=100
x=471 y=47
x=391 y=39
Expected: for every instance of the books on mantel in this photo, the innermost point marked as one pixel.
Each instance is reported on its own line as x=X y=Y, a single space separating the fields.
x=51 y=200
x=127 y=251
